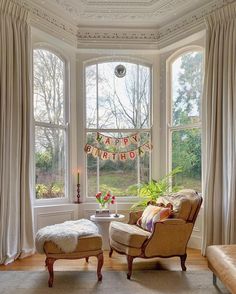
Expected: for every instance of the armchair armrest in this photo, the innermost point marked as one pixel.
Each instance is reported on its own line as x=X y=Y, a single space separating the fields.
x=173 y=221
x=134 y=216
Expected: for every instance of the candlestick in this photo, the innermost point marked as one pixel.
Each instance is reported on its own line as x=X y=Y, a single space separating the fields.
x=78 y=194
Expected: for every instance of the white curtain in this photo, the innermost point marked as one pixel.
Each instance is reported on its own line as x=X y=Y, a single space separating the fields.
x=16 y=226
x=219 y=128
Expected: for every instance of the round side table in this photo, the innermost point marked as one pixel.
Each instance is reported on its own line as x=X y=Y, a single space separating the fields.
x=103 y=223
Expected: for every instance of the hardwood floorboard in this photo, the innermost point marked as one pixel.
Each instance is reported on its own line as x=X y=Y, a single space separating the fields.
x=195 y=262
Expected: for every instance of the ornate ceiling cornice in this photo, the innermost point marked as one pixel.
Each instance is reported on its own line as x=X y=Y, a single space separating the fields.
x=51 y=24
x=189 y=24
x=120 y=37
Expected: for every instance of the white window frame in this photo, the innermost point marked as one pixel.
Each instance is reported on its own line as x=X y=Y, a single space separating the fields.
x=64 y=127
x=97 y=61
x=170 y=127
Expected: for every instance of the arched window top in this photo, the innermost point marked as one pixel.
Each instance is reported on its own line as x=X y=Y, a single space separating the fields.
x=49 y=87
x=186 y=76
x=118 y=101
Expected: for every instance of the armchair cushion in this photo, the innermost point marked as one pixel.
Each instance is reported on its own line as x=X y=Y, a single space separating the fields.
x=185 y=203
x=129 y=235
x=151 y=215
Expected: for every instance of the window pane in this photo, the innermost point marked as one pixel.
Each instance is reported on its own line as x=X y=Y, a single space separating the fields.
x=186 y=153
x=50 y=162
x=92 y=185
x=187 y=76
x=119 y=177
x=122 y=102
x=144 y=168
x=91 y=96
x=48 y=87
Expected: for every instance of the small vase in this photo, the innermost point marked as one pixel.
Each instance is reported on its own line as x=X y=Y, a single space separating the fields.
x=103 y=206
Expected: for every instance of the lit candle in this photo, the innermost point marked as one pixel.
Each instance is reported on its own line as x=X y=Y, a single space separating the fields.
x=78 y=177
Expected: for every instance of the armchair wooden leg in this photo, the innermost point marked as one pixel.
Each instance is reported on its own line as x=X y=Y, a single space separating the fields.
x=111 y=251
x=50 y=262
x=183 y=259
x=87 y=259
x=46 y=261
x=130 y=265
x=99 y=267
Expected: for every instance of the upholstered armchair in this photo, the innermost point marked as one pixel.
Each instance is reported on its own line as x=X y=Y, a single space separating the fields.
x=168 y=238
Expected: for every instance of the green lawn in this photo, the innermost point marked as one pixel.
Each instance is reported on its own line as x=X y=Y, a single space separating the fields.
x=117 y=183
x=122 y=184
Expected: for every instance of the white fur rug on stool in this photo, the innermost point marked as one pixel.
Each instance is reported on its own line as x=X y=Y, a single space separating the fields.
x=65 y=235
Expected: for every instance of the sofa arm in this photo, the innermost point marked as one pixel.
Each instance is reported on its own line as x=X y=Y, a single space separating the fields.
x=134 y=216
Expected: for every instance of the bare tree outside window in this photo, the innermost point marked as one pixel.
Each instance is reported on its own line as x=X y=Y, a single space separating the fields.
x=49 y=116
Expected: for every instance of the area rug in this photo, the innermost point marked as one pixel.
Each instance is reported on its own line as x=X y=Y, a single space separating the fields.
x=142 y=282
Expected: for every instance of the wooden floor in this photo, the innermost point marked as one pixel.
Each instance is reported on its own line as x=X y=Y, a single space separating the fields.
x=195 y=262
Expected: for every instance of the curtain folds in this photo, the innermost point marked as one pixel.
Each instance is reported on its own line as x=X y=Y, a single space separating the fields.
x=219 y=129
x=16 y=221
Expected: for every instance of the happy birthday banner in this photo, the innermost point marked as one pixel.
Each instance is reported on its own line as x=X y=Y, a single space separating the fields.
x=118 y=142
x=106 y=155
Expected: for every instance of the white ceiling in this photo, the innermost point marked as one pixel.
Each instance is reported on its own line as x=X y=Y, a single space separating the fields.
x=120 y=13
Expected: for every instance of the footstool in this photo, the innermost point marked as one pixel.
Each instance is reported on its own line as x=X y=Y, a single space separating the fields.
x=87 y=246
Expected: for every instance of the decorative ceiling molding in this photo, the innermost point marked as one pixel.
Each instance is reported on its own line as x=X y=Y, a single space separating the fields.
x=125 y=38
x=51 y=24
x=117 y=36
x=120 y=10
x=189 y=24
x=182 y=28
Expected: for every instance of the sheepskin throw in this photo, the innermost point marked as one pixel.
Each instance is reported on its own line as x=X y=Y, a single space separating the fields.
x=65 y=235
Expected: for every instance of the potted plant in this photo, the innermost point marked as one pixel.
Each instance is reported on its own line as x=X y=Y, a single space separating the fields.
x=149 y=192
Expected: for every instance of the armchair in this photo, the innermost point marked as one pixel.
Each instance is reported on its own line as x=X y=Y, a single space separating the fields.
x=169 y=237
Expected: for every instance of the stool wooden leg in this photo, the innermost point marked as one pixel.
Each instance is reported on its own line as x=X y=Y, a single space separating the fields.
x=87 y=259
x=99 y=267
x=46 y=262
x=111 y=251
x=50 y=262
x=130 y=265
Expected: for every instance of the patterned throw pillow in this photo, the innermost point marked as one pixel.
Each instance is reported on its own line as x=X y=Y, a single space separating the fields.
x=151 y=215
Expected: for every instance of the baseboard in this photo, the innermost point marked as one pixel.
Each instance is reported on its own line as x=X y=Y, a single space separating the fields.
x=195 y=242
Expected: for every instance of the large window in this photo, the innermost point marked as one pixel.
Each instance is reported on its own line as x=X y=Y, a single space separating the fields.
x=117 y=107
x=50 y=124
x=185 y=118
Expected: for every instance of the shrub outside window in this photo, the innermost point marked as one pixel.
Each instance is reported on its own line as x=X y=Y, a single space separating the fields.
x=184 y=126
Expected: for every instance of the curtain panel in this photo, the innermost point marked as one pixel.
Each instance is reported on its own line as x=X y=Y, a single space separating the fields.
x=16 y=225
x=219 y=128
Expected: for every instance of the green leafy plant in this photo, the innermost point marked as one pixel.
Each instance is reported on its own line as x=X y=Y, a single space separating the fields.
x=150 y=192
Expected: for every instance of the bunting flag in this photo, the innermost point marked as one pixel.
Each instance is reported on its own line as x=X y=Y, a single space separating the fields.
x=107 y=155
x=118 y=142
